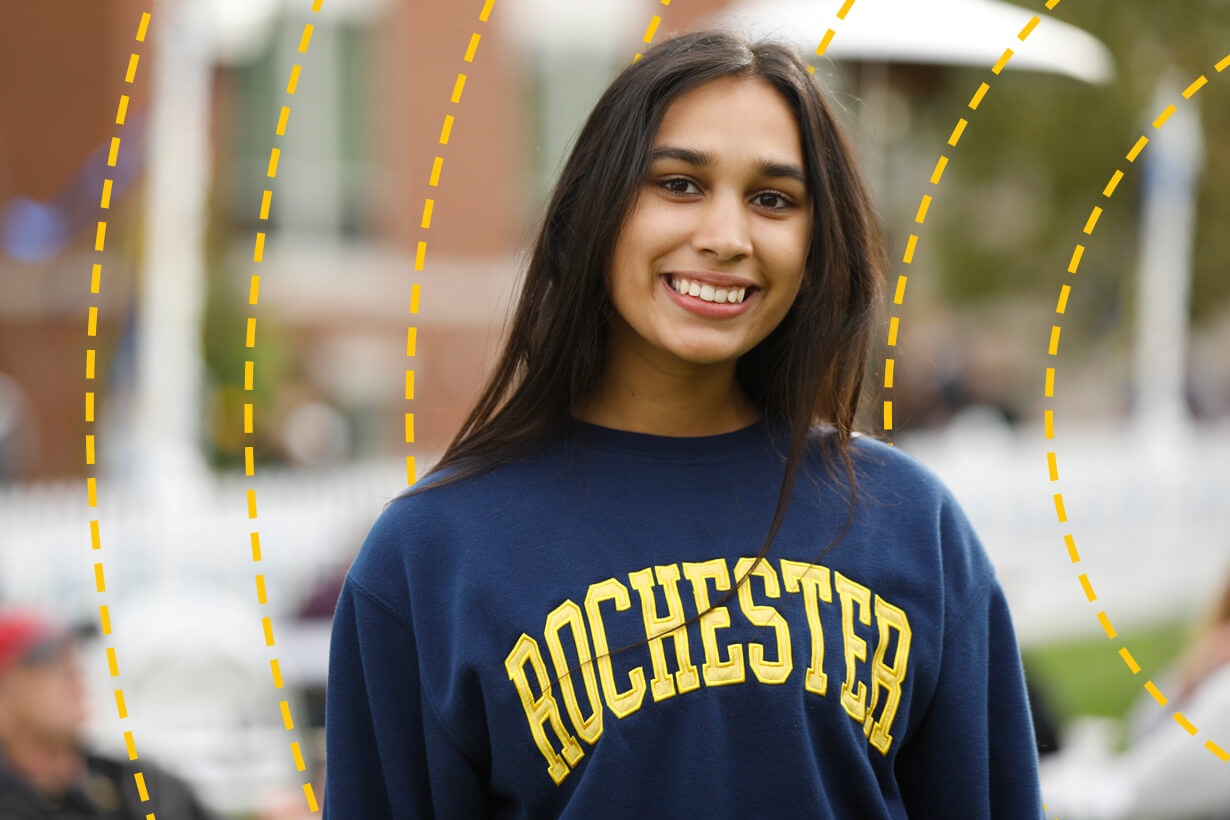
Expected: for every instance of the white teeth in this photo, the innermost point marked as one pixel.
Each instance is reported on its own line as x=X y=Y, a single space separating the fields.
x=707 y=292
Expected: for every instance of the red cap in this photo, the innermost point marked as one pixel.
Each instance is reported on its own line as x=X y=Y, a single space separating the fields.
x=21 y=632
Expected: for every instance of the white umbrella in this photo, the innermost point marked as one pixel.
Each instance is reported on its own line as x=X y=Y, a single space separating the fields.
x=945 y=32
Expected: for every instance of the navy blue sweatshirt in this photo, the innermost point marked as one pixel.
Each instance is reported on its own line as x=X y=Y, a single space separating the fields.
x=473 y=669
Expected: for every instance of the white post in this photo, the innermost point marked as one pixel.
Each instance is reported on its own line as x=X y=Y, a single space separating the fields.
x=1172 y=163
x=167 y=431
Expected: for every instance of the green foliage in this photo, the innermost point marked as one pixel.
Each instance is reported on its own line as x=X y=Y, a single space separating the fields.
x=1040 y=148
x=1088 y=677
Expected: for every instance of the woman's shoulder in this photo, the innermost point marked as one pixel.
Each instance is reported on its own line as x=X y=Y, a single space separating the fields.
x=882 y=468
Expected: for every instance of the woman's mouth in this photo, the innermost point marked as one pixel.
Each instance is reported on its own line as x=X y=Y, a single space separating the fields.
x=707 y=300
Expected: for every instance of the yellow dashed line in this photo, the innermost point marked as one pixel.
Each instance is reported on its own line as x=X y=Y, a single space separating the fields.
x=978 y=95
x=1003 y=61
x=824 y=42
x=1029 y=27
x=1128 y=659
x=1053 y=347
x=1085 y=585
x=1162 y=117
x=1152 y=689
x=1051 y=467
x=472 y=48
x=1060 y=513
x=651 y=29
x=1105 y=622
x=1113 y=184
x=921 y=216
x=1071 y=545
x=888 y=373
x=1198 y=84
x=306 y=38
x=1063 y=299
x=940 y=164
x=1093 y=219
x=909 y=249
x=1137 y=148
x=1049 y=389
x=957 y=132
x=1076 y=258
x=900 y=294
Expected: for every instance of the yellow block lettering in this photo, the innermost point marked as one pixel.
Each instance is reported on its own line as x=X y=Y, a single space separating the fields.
x=657 y=628
x=764 y=615
x=542 y=709
x=717 y=671
x=854 y=700
x=888 y=678
x=569 y=614
x=623 y=703
x=814 y=581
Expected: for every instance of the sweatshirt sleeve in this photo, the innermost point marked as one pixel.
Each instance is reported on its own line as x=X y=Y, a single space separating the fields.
x=388 y=754
x=974 y=753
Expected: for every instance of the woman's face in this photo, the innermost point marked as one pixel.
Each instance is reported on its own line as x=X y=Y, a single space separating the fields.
x=724 y=214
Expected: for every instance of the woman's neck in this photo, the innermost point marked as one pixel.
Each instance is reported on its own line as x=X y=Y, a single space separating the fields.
x=670 y=407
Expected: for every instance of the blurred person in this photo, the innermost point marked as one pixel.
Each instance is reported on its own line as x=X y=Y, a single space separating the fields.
x=576 y=613
x=1163 y=773
x=46 y=771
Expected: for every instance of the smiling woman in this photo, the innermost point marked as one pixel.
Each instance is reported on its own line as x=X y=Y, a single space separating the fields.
x=578 y=612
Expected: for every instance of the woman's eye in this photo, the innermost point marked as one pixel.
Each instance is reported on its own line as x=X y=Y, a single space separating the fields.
x=785 y=203
x=682 y=184
x=677 y=181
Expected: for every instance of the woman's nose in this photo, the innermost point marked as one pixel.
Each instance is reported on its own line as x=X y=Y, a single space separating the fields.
x=722 y=228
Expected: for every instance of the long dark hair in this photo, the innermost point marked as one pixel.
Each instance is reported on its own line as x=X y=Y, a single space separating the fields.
x=808 y=370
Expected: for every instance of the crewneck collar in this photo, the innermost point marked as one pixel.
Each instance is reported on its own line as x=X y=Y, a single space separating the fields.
x=669 y=448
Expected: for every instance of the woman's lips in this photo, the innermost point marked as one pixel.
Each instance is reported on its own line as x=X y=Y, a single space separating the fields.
x=709 y=310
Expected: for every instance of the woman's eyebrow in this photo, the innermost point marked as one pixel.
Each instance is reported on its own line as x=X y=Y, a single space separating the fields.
x=703 y=159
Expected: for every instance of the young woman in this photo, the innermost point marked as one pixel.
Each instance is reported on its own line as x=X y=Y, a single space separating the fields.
x=579 y=612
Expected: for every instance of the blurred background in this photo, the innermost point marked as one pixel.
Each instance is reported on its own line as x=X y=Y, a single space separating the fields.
x=1142 y=385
